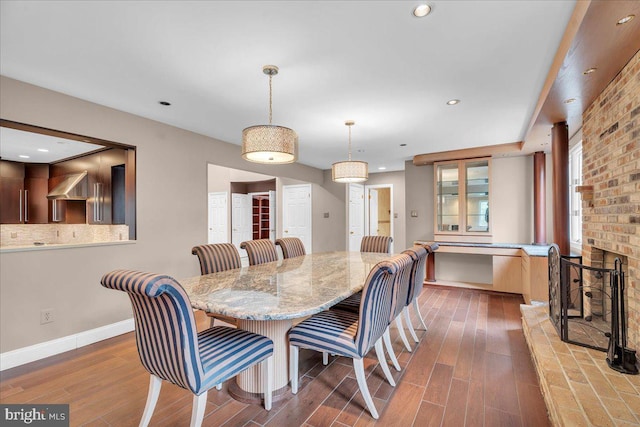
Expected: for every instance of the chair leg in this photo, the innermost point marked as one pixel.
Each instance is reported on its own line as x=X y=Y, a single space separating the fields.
x=152 y=398
x=267 y=372
x=417 y=310
x=358 y=366
x=386 y=337
x=383 y=362
x=403 y=336
x=293 y=368
x=325 y=358
x=407 y=318
x=197 y=411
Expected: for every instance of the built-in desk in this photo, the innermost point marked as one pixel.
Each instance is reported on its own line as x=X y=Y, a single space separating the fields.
x=514 y=268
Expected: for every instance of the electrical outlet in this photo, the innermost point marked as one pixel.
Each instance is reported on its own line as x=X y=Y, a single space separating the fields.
x=46 y=316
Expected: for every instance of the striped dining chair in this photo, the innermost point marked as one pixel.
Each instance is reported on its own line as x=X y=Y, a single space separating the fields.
x=379 y=244
x=291 y=247
x=171 y=349
x=260 y=251
x=419 y=254
x=402 y=289
x=215 y=258
x=349 y=334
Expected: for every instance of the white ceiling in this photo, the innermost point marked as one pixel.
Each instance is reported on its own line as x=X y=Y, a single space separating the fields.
x=29 y=147
x=370 y=61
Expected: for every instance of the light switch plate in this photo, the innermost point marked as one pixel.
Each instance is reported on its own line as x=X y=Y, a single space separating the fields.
x=414 y=214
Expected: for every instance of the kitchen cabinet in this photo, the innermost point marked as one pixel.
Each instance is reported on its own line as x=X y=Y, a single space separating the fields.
x=462 y=192
x=23 y=193
x=36 y=186
x=11 y=192
x=99 y=203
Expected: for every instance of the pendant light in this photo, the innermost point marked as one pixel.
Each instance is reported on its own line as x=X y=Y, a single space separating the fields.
x=268 y=143
x=351 y=170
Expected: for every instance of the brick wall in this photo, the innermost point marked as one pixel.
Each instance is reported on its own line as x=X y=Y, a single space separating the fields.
x=611 y=164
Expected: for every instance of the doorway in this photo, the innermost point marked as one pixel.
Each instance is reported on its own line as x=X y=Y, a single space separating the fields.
x=217 y=218
x=370 y=212
x=296 y=213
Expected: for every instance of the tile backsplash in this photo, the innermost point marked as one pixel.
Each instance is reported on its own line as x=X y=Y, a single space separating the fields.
x=12 y=235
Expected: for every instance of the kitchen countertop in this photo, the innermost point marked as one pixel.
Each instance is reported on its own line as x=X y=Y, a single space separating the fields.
x=531 y=250
x=53 y=246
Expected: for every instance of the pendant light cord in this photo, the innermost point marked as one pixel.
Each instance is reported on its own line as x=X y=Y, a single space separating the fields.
x=270 y=99
x=349 y=143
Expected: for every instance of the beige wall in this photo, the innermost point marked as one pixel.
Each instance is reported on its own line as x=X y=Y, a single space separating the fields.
x=171 y=212
x=512 y=197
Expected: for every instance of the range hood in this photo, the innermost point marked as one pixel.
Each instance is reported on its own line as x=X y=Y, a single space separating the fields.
x=72 y=187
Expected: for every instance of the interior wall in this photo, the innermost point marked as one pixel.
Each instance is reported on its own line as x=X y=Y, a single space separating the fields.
x=512 y=195
x=511 y=200
x=419 y=202
x=329 y=220
x=172 y=191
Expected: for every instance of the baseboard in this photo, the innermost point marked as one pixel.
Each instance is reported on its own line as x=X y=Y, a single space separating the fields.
x=13 y=358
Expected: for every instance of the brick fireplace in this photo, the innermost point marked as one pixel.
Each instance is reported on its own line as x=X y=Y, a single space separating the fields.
x=611 y=177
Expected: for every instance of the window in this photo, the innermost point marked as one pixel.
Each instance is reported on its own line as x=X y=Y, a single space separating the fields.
x=575 y=202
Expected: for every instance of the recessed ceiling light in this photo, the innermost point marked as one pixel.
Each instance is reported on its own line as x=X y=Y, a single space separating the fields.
x=22 y=156
x=165 y=103
x=589 y=71
x=453 y=102
x=569 y=101
x=43 y=150
x=382 y=168
x=421 y=10
x=625 y=19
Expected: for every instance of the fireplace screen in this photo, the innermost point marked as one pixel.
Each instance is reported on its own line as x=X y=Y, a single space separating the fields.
x=586 y=306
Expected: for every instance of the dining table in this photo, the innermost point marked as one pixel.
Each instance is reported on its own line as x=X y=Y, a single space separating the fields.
x=269 y=298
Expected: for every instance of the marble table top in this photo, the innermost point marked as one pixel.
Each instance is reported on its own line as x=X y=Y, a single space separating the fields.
x=284 y=289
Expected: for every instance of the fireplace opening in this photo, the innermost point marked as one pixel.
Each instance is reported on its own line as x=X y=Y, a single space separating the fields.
x=587 y=305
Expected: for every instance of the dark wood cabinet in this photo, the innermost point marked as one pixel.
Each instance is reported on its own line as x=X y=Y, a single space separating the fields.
x=11 y=192
x=100 y=201
x=98 y=208
x=23 y=193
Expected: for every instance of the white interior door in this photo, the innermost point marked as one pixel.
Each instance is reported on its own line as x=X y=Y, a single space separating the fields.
x=356 y=216
x=296 y=213
x=373 y=212
x=240 y=220
x=218 y=218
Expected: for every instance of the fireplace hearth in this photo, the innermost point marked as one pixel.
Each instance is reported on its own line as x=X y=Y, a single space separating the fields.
x=587 y=307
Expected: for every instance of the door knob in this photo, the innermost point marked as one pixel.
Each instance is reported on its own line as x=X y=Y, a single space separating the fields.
x=351 y=232
x=286 y=231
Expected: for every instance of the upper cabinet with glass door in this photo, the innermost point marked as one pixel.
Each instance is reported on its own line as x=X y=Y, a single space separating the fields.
x=462 y=201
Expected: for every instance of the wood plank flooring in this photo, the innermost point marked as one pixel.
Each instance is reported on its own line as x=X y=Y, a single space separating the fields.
x=471 y=368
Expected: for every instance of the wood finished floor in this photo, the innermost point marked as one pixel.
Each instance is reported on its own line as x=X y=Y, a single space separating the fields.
x=471 y=368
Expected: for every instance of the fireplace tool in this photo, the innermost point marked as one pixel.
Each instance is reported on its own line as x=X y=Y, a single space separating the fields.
x=619 y=357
